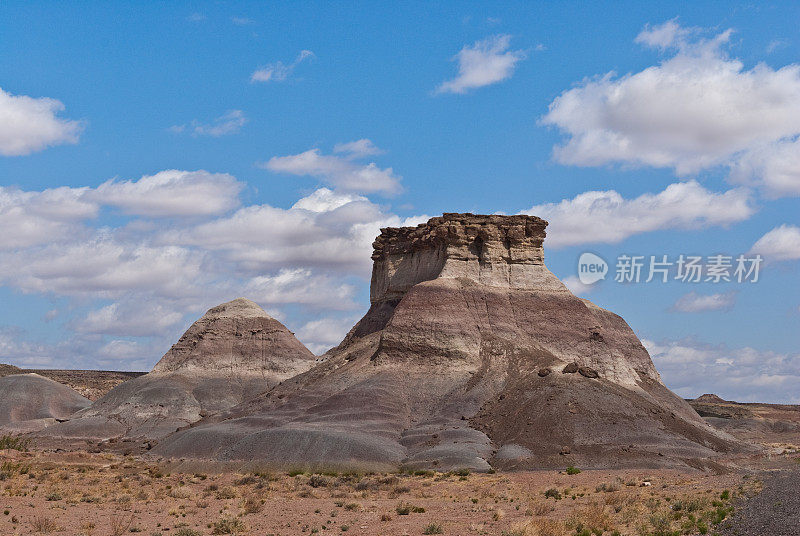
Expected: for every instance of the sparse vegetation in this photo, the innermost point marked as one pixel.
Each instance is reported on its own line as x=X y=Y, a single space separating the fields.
x=433 y=528
x=14 y=443
x=229 y=525
x=43 y=525
x=572 y=470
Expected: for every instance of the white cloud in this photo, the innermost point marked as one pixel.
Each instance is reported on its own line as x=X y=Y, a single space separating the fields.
x=278 y=71
x=28 y=125
x=242 y=21
x=325 y=333
x=780 y=244
x=104 y=267
x=698 y=303
x=140 y=318
x=484 y=63
x=31 y=218
x=301 y=286
x=691 y=368
x=229 y=123
x=326 y=228
x=171 y=193
x=15 y=350
x=576 y=287
x=607 y=217
x=774 y=167
x=696 y=110
x=358 y=149
x=342 y=172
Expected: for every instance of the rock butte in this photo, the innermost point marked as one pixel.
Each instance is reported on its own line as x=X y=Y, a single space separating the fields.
x=472 y=354
x=235 y=351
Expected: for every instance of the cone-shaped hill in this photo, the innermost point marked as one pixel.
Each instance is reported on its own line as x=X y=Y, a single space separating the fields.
x=30 y=402
x=472 y=354
x=234 y=352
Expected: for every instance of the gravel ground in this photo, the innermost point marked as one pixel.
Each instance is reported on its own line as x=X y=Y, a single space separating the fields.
x=773 y=512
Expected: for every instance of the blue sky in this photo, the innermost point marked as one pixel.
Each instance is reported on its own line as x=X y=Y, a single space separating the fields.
x=159 y=158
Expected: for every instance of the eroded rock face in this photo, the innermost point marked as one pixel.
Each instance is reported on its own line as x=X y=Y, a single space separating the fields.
x=444 y=371
x=30 y=402
x=499 y=251
x=234 y=352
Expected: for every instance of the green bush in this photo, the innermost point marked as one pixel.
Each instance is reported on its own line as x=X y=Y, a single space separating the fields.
x=433 y=528
x=571 y=470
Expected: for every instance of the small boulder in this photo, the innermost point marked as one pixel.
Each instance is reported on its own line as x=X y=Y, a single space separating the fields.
x=544 y=372
x=588 y=372
x=572 y=368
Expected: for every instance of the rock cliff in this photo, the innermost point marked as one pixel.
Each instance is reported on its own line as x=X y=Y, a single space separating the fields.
x=472 y=354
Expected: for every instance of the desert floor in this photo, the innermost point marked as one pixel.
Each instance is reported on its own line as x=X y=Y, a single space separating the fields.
x=77 y=493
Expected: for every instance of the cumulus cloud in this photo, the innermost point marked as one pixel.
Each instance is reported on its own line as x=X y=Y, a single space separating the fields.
x=698 y=303
x=323 y=334
x=780 y=244
x=607 y=217
x=29 y=125
x=131 y=318
x=171 y=193
x=32 y=218
x=691 y=368
x=576 y=286
x=16 y=350
x=696 y=110
x=343 y=172
x=358 y=149
x=148 y=277
x=326 y=228
x=229 y=123
x=278 y=71
x=483 y=63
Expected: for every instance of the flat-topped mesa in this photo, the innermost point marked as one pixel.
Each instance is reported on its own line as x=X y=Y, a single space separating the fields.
x=494 y=250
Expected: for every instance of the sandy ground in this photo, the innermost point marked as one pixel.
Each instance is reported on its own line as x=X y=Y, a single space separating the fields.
x=81 y=494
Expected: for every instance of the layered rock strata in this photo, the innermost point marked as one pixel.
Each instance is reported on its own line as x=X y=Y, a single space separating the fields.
x=458 y=363
x=234 y=352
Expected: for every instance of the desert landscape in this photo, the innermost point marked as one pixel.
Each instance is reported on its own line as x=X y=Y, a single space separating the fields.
x=478 y=395
x=399 y=268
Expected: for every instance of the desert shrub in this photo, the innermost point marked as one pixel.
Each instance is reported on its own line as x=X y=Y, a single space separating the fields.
x=53 y=496
x=572 y=470
x=538 y=527
x=554 y=493
x=119 y=524
x=319 y=481
x=226 y=493
x=252 y=505
x=43 y=525
x=403 y=509
x=14 y=443
x=187 y=532
x=229 y=525
x=608 y=487
x=725 y=495
x=433 y=528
